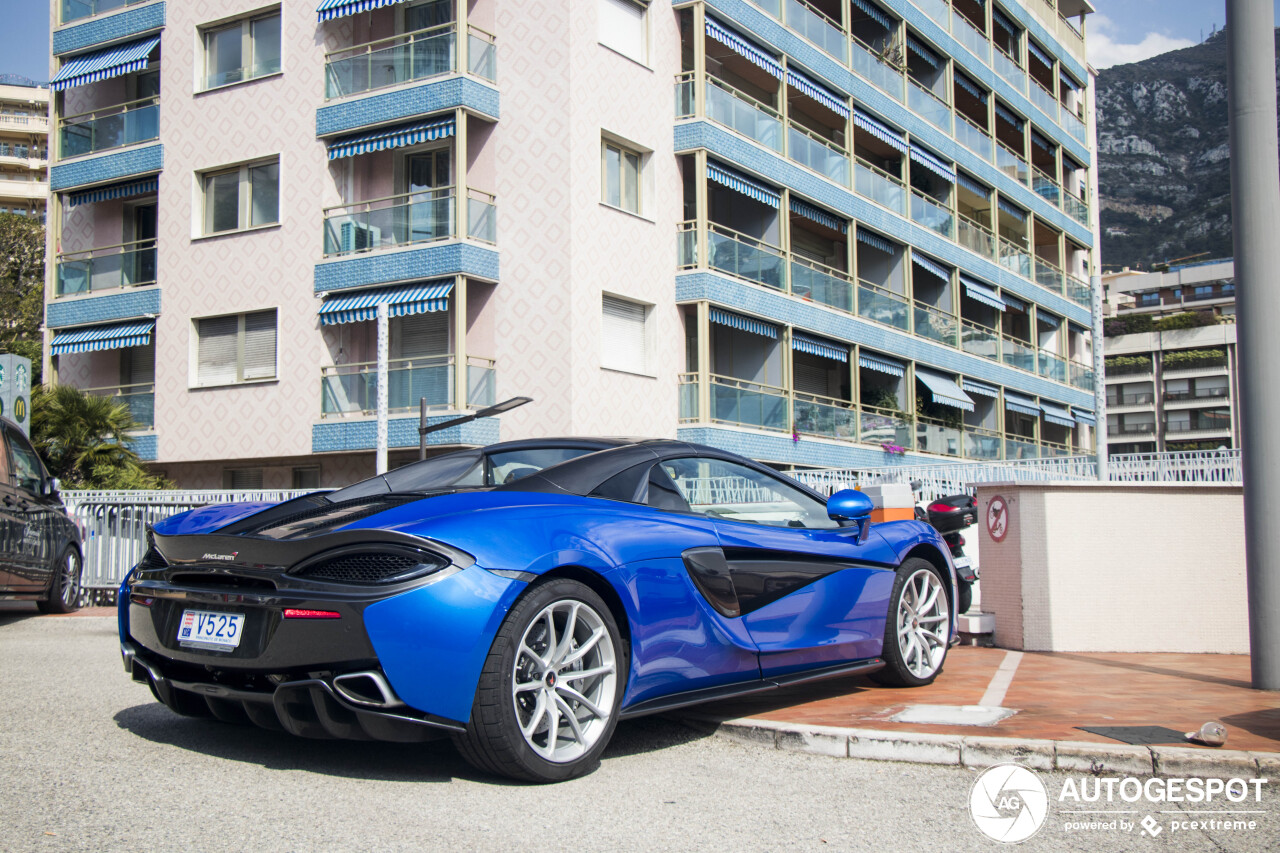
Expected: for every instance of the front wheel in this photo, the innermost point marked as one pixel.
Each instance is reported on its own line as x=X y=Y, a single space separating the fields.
x=918 y=630
x=64 y=589
x=549 y=694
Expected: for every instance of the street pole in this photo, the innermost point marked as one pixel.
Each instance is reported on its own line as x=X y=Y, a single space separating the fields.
x=1255 y=217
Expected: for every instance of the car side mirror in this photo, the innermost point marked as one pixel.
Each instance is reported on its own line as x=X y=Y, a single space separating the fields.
x=50 y=487
x=852 y=505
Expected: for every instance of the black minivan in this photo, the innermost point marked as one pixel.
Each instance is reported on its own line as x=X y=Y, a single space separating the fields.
x=40 y=548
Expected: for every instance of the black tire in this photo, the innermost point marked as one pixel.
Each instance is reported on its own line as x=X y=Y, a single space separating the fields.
x=64 y=589
x=494 y=741
x=964 y=597
x=901 y=669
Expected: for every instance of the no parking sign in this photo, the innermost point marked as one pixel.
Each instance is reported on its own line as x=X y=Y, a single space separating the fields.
x=997 y=518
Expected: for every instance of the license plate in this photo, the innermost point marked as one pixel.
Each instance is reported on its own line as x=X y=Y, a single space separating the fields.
x=962 y=562
x=201 y=629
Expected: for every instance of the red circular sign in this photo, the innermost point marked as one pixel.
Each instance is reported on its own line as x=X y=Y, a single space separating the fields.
x=998 y=519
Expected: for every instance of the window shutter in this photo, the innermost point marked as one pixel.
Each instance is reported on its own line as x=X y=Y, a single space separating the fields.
x=216 y=358
x=420 y=335
x=624 y=344
x=260 y=345
x=622 y=27
x=244 y=478
x=810 y=375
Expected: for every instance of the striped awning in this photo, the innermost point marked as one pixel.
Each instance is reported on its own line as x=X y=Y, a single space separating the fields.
x=1013 y=302
x=982 y=292
x=815 y=214
x=123 y=190
x=330 y=9
x=973 y=185
x=876 y=242
x=745 y=324
x=972 y=88
x=391 y=137
x=880 y=131
x=944 y=390
x=1040 y=142
x=1068 y=82
x=881 y=364
x=418 y=298
x=1057 y=414
x=1038 y=53
x=1020 y=404
x=1013 y=210
x=742 y=184
x=931 y=266
x=923 y=51
x=745 y=49
x=1002 y=21
x=978 y=388
x=874 y=14
x=933 y=164
x=95 y=338
x=104 y=64
x=1010 y=116
x=838 y=104
x=1086 y=418
x=817 y=346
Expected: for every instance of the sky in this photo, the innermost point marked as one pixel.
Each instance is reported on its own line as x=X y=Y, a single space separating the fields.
x=1122 y=31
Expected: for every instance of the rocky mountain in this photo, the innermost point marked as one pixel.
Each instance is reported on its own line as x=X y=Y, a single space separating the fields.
x=1164 y=159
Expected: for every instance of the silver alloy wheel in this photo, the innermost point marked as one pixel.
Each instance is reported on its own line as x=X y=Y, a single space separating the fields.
x=564 y=680
x=70 y=571
x=924 y=623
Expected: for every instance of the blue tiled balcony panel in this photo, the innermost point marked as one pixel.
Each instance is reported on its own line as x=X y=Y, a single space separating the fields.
x=108 y=28
x=409 y=265
x=378 y=108
x=146 y=446
x=101 y=309
x=335 y=436
x=108 y=167
x=771 y=304
x=767 y=164
x=778 y=447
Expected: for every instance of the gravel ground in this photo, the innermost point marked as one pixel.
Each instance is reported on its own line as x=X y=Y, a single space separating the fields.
x=91 y=762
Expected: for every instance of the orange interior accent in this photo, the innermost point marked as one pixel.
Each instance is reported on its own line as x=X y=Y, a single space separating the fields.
x=905 y=513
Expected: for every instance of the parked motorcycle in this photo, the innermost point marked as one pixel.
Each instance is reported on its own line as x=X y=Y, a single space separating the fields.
x=949 y=516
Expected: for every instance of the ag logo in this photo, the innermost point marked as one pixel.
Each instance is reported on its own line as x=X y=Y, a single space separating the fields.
x=19 y=409
x=1008 y=803
x=998 y=518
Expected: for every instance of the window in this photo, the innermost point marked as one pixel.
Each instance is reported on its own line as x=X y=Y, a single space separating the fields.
x=236 y=348
x=242 y=197
x=242 y=50
x=1204 y=291
x=625 y=339
x=28 y=473
x=623 y=28
x=620 y=179
x=1145 y=299
x=306 y=478
x=735 y=492
x=242 y=478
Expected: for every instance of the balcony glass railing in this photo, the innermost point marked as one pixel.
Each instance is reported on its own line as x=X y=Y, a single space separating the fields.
x=975 y=237
x=385 y=223
x=981 y=444
x=1143 y=399
x=1075 y=208
x=1015 y=259
x=1074 y=126
x=140 y=400
x=773 y=7
x=1009 y=70
x=1011 y=163
x=1078 y=291
x=481 y=382
x=111 y=127
x=1208 y=420
x=932 y=214
x=745 y=257
x=74 y=10
x=1145 y=428
x=973 y=137
x=817 y=28
x=1081 y=375
x=1046 y=187
x=1053 y=366
x=688 y=397
x=822 y=284
x=1019 y=354
x=935 y=325
x=936 y=437
x=1217 y=393
x=969 y=36
x=1020 y=448
x=820 y=155
x=824 y=416
x=745 y=114
x=882 y=306
x=1043 y=100
x=482 y=53
x=352 y=389
x=979 y=340
x=106 y=268
x=1053 y=450
x=737 y=401
x=1049 y=276
x=879 y=186
x=391 y=61
x=928 y=106
x=877 y=426
x=482 y=216
x=885 y=77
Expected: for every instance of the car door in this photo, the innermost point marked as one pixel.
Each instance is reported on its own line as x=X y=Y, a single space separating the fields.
x=33 y=562
x=811 y=594
x=10 y=524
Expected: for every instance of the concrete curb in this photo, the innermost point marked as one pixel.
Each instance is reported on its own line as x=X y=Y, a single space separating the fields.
x=984 y=751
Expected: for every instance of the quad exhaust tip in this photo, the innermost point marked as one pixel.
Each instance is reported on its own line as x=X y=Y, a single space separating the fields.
x=369 y=689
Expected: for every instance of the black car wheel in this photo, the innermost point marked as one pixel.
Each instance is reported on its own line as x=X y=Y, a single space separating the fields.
x=918 y=630
x=549 y=694
x=64 y=590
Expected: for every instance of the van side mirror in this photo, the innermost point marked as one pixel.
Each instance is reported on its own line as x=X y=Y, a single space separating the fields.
x=50 y=487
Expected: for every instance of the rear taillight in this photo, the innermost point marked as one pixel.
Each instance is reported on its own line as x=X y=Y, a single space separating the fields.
x=298 y=613
x=939 y=506
x=959 y=540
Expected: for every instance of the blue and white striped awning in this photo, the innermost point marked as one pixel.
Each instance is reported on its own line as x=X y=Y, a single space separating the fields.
x=838 y=104
x=95 y=338
x=876 y=242
x=104 y=64
x=874 y=13
x=745 y=49
x=1002 y=21
x=944 y=389
x=881 y=364
x=978 y=388
x=973 y=185
x=1086 y=418
x=124 y=190
x=418 y=298
x=330 y=9
x=972 y=88
x=1020 y=404
x=982 y=292
x=1040 y=142
x=1068 y=82
x=1013 y=302
x=1013 y=210
x=1038 y=53
x=880 y=131
x=745 y=324
x=1010 y=116
x=1056 y=413
x=742 y=184
x=933 y=164
x=808 y=211
x=391 y=137
x=930 y=266
x=817 y=346
x=922 y=50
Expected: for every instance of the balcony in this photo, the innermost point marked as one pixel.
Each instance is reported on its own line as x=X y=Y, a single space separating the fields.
x=883 y=306
x=818 y=28
x=935 y=325
x=1049 y=276
x=736 y=401
x=1148 y=428
x=973 y=137
x=938 y=438
x=108 y=128
x=733 y=253
x=1044 y=100
x=1216 y=421
x=969 y=36
x=824 y=417
x=1074 y=126
x=1130 y=366
x=929 y=106
x=1076 y=208
x=1145 y=398
x=106 y=268
x=1199 y=394
x=352 y=389
x=975 y=237
x=980 y=340
x=871 y=66
x=1010 y=70
x=139 y=399
x=881 y=187
x=1081 y=375
x=1211 y=360
x=822 y=156
x=406 y=58
x=1016 y=259
x=407 y=219
x=1079 y=291
x=28 y=190
x=735 y=110
x=815 y=282
x=1011 y=163
x=24 y=124
x=932 y=214
x=75 y=10
x=1017 y=353
x=1052 y=366
x=23 y=156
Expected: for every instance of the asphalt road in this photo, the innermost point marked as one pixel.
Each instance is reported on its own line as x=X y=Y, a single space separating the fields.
x=88 y=761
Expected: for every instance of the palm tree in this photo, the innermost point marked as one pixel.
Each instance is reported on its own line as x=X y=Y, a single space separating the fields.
x=85 y=439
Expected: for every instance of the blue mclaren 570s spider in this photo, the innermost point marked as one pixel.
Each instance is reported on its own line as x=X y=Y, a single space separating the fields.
x=525 y=597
